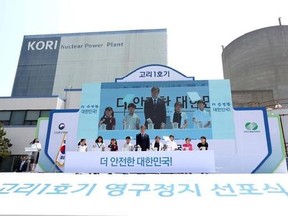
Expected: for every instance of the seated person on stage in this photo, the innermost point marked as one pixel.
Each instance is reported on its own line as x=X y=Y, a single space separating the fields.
x=128 y=146
x=131 y=120
x=108 y=120
x=113 y=145
x=187 y=146
x=179 y=116
x=203 y=145
x=171 y=145
x=201 y=118
x=99 y=144
x=82 y=146
x=157 y=145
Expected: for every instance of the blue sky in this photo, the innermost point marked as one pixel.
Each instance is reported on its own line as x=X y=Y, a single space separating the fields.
x=196 y=29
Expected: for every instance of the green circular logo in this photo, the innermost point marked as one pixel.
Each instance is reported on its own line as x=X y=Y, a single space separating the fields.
x=251 y=126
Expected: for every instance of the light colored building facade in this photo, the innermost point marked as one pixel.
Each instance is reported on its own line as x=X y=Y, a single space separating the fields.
x=52 y=69
x=50 y=63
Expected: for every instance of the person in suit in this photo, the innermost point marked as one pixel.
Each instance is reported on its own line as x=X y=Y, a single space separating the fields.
x=142 y=139
x=155 y=110
x=22 y=165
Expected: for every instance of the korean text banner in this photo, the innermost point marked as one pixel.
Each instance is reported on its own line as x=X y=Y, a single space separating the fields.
x=142 y=194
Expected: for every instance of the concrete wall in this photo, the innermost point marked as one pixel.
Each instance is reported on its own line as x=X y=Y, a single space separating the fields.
x=252 y=98
x=258 y=60
x=20 y=138
x=72 y=99
x=41 y=103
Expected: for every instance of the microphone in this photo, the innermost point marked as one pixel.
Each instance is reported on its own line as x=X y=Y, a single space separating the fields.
x=165 y=147
x=125 y=107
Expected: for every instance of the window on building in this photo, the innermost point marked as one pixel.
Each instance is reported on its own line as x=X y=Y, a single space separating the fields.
x=22 y=117
x=45 y=113
x=5 y=117
x=17 y=117
x=32 y=117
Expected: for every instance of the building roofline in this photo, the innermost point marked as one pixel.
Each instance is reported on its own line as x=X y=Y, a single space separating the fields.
x=261 y=29
x=32 y=97
x=137 y=31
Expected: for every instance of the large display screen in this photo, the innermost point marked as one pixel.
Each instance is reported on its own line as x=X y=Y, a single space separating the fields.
x=182 y=108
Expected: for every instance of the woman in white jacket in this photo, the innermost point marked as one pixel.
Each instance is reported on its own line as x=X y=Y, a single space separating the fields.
x=35 y=144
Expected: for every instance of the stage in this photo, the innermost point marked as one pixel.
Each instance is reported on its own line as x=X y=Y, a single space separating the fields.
x=142 y=194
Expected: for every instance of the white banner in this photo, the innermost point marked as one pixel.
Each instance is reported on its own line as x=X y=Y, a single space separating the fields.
x=147 y=194
x=252 y=139
x=141 y=162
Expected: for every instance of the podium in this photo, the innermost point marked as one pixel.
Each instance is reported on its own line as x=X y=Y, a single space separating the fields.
x=30 y=151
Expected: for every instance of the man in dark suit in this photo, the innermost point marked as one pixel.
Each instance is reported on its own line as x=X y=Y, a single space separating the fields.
x=143 y=139
x=155 y=110
x=22 y=165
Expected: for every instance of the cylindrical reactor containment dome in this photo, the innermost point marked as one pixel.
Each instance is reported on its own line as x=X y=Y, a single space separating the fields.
x=258 y=60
